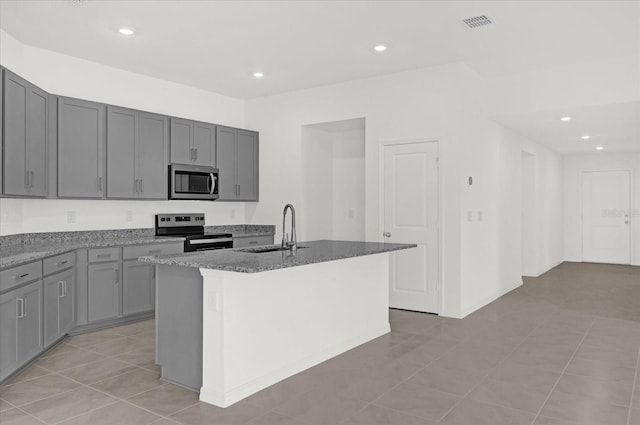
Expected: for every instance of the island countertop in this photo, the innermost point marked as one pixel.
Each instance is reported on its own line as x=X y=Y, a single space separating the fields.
x=239 y=260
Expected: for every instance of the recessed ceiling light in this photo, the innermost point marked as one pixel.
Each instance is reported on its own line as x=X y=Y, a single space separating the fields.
x=585 y=137
x=599 y=148
x=565 y=119
x=380 y=48
x=126 y=31
x=258 y=74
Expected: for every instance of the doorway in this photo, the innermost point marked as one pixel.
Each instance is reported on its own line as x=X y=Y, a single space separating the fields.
x=410 y=209
x=606 y=203
x=530 y=234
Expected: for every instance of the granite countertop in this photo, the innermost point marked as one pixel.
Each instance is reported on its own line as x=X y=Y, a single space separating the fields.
x=235 y=260
x=22 y=248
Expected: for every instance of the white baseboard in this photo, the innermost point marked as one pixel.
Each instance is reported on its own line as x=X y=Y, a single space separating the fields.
x=491 y=298
x=226 y=399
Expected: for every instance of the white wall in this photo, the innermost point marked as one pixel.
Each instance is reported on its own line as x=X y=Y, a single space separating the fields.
x=69 y=76
x=574 y=165
x=348 y=185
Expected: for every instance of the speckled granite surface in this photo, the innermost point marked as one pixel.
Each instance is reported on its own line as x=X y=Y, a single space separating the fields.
x=235 y=260
x=22 y=248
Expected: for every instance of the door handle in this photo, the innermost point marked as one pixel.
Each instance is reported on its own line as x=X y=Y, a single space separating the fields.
x=60 y=288
x=387 y=234
x=213 y=183
x=20 y=308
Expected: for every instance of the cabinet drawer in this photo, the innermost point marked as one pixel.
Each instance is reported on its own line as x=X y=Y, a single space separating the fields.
x=104 y=254
x=133 y=252
x=242 y=242
x=59 y=262
x=19 y=275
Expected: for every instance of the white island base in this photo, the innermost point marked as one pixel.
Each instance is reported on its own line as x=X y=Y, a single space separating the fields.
x=260 y=328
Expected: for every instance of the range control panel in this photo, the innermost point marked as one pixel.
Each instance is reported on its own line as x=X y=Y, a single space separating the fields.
x=179 y=220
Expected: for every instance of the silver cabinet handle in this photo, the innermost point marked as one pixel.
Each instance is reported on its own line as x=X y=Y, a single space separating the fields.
x=104 y=255
x=196 y=153
x=60 y=288
x=117 y=276
x=30 y=178
x=135 y=186
x=22 y=276
x=20 y=313
x=26 y=180
x=62 y=263
x=65 y=288
x=191 y=154
x=141 y=185
x=387 y=234
x=99 y=184
x=155 y=251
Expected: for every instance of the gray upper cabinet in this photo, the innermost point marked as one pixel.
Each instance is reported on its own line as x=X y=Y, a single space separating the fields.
x=80 y=149
x=25 y=137
x=237 y=156
x=193 y=142
x=137 y=149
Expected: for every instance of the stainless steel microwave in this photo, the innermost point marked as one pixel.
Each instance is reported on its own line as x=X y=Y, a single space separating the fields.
x=193 y=182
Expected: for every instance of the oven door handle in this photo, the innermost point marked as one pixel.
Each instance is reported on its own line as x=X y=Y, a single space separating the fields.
x=212 y=240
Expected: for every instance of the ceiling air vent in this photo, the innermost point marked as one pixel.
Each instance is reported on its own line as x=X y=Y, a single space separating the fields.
x=477 y=21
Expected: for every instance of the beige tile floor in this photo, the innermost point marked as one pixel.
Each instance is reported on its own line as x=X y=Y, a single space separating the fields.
x=563 y=349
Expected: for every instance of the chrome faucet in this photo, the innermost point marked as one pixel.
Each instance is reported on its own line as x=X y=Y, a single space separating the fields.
x=286 y=243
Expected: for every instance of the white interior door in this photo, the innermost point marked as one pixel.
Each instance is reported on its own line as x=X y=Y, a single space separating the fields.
x=605 y=217
x=411 y=216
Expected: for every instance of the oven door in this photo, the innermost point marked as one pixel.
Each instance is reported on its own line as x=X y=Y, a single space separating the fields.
x=207 y=242
x=193 y=182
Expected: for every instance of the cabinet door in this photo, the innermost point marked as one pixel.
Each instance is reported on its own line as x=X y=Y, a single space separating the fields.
x=247 y=165
x=37 y=137
x=80 y=148
x=59 y=291
x=1 y=126
x=204 y=144
x=138 y=286
x=30 y=322
x=16 y=94
x=8 y=334
x=226 y=162
x=122 y=130
x=67 y=310
x=103 y=291
x=181 y=141
x=53 y=287
x=152 y=153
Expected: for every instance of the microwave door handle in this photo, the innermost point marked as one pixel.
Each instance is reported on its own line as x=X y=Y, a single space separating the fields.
x=213 y=183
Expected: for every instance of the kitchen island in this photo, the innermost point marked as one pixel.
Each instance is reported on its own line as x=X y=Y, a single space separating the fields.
x=232 y=322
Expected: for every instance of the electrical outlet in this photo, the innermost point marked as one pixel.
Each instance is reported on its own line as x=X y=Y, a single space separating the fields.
x=71 y=217
x=129 y=215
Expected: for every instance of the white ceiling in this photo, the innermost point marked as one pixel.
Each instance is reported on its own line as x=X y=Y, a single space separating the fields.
x=616 y=127
x=217 y=45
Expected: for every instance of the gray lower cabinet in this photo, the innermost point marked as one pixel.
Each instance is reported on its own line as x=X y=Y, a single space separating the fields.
x=20 y=327
x=25 y=109
x=59 y=318
x=237 y=156
x=103 y=291
x=137 y=154
x=193 y=142
x=81 y=135
x=139 y=281
x=246 y=241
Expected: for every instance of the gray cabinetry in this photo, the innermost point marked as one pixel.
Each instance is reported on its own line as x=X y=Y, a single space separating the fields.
x=20 y=327
x=59 y=290
x=137 y=144
x=139 y=287
x=80 y=148
x=193 y=142
x=237 y=156
x=245 y=241
x=25 y=137
x=103 y=291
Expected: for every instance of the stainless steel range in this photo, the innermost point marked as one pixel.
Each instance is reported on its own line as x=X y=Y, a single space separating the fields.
x=191 y=227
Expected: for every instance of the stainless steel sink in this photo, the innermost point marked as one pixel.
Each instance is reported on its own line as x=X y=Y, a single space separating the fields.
x=267 y=248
